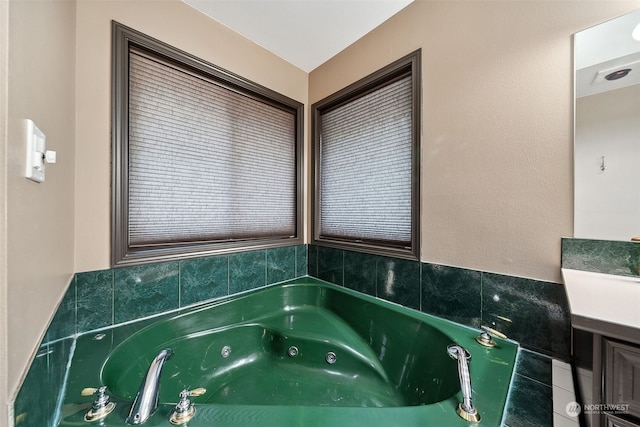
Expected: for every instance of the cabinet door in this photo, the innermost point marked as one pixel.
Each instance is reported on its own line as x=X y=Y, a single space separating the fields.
x=613 y=421
x=622 y=376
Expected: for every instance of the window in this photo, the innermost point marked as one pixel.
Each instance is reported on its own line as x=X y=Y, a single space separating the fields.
x=366 y=160
x=204 y=161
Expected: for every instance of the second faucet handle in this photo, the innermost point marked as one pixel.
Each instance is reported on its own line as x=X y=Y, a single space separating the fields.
x=101 y=406
x=485 y=337
x=185 y=410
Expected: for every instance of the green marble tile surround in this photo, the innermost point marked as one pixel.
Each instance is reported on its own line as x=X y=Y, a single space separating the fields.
x=40 y=397
x=531 y=396
x=602 y=256
x=100 y=299
x=531 y=399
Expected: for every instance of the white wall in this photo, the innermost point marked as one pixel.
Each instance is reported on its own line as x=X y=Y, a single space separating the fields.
x=607 y=203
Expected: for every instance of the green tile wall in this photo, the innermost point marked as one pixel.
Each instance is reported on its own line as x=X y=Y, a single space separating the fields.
x=530 y=401
x=99 y=299
x=144 y=290
x=602 y=256
x=203 y=278
x=452 y=293
x=37 y=403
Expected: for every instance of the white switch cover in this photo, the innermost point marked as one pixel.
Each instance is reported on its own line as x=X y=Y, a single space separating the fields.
x=36 y=150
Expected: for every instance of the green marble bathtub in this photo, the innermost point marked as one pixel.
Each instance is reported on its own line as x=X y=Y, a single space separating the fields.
x=391 y=364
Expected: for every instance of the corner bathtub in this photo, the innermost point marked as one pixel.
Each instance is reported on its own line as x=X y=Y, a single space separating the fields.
x=391 y=364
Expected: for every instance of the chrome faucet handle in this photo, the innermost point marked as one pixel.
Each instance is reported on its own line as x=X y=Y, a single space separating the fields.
x=494 y=332
x=185 y=410
x=485 y=338
x=101 y=406
x=195 y=392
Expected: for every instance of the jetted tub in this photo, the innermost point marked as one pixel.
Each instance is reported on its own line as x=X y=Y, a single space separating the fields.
x=302 y=353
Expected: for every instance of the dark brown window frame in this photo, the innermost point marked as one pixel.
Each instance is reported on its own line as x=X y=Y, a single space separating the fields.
x=410 y=64
x=122 y=253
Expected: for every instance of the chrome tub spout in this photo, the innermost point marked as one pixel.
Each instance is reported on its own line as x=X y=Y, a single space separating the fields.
x=465 y=409
x=146 y=401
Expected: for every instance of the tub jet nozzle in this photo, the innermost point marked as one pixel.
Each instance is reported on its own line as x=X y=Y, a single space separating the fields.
x=293 y=351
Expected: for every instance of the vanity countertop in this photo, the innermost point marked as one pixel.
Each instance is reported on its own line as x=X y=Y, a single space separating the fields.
x=598 y=298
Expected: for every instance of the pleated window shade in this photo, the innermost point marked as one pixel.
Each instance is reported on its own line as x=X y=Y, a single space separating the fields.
x=365 y=191
x=205 y=163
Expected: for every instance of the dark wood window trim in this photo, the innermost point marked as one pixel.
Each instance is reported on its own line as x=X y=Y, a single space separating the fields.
x=408 y=65
x=122 y=253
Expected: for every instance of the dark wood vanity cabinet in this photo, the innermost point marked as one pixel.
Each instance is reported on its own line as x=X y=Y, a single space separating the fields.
x=622 y=376
x=615 y=387
x=613 y=421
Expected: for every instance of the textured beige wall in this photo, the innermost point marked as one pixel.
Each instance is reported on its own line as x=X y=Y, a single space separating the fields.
x=179 y=25
x=40 y=218
x=497 y=173
x=4 y=71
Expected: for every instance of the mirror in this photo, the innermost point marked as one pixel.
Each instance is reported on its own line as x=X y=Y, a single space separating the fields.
x=607 y=130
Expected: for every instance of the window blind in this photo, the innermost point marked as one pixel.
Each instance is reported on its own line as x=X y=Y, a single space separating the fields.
x=205 y=162
x=366 y=167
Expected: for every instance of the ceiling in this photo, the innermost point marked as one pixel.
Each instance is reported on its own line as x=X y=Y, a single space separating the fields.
x=305 y=33
x=603 y=49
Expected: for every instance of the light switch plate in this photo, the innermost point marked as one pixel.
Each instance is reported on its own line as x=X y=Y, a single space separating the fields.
x=36 y=149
